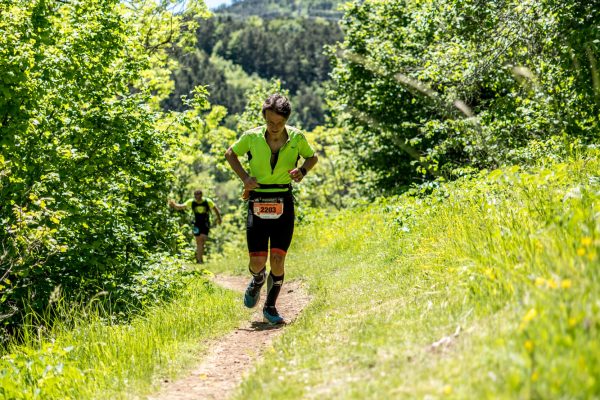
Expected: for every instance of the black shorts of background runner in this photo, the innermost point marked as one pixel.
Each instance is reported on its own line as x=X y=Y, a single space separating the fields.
x=279 y=231
x=201 y=228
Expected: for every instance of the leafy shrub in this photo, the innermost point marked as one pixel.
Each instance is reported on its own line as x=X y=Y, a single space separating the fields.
x=426 y=89
x=84 y=168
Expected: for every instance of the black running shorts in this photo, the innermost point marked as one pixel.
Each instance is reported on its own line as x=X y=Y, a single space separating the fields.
x=201 y=228
x=259 y=230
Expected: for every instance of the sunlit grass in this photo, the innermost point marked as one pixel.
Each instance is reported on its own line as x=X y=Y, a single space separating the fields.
x=486 y=289
x=92 y=359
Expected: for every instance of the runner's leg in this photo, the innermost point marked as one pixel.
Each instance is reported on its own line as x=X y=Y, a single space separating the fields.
x=270 y=313
x=281 y=237
x=276 y=276
x=258 y=245
x=200 y=242
x=257 y=268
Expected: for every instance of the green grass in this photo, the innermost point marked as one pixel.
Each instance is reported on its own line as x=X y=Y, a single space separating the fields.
x=484 y=289
x=92 y=359
x=506 y=267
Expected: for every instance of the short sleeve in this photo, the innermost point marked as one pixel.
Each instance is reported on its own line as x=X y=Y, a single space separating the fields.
x=188 y=203
x=211 y=203
x=304 y=148
x=242 y=145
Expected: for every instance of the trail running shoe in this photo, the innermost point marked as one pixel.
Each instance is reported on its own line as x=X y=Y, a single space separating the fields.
x=271 y=316
x=252 y=295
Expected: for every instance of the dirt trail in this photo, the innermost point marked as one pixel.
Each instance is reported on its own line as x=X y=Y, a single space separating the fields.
x=222 y=369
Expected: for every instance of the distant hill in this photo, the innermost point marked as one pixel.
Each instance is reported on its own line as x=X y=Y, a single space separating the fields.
x=277 y=8
x=253 y=40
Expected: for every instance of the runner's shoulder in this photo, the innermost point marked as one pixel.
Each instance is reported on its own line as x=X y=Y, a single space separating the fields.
x=294 y=132
x=258 y=131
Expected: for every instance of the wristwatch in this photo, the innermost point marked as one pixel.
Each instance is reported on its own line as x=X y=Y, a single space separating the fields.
x=304 y=171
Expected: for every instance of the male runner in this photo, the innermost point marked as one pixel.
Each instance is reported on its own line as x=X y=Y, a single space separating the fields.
x=200 y=206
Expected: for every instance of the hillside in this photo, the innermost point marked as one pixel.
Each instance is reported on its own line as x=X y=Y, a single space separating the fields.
x=235 y=51
x=448 y=239
x=277 y=8
x=486 y=289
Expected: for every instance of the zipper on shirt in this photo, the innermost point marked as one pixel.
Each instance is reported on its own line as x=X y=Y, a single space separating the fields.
x=276 y=154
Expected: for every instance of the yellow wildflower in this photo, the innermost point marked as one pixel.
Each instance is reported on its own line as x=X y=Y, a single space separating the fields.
x=586 y=241
x=581 y=251
x=489 y=272
x=529 y=346
x=531 y=314
x=566 y=284
x=539 y=281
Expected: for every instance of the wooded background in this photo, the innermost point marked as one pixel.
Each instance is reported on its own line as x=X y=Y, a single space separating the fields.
x=108 y=108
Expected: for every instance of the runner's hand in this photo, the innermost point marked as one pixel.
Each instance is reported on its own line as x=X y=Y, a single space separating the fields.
x=250 y=183
x=296 y=174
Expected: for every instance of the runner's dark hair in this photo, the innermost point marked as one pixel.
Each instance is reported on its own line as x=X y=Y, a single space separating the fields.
x=279 y=104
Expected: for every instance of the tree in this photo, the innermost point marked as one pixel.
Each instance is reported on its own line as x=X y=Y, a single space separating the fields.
x=246 y=45
x=435 y=88
x=84 y=170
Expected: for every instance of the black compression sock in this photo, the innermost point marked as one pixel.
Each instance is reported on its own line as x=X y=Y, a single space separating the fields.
x=259 y=277
x=275 y=289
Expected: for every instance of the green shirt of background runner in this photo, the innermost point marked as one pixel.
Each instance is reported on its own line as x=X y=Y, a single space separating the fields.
x=200 y=209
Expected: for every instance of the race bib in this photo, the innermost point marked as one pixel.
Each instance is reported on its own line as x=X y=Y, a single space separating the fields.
x=268 y=208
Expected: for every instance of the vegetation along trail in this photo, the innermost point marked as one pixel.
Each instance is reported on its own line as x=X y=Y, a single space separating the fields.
x=448 y=239
x=223 y=368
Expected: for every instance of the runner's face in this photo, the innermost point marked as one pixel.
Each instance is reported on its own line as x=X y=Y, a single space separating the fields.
x=275 y=122
x=198 y=196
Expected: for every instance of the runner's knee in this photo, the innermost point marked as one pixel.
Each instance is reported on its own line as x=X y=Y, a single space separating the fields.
x=257 y=263
x=277 y=262
x=277 y=256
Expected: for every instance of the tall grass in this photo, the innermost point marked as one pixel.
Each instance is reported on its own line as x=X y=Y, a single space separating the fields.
x=89 y=358
x=487 y=288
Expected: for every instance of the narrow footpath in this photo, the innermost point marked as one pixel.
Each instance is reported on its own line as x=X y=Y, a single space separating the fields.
x=233 y=355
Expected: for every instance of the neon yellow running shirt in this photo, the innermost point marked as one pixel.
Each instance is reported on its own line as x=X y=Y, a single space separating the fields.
x=254 y=141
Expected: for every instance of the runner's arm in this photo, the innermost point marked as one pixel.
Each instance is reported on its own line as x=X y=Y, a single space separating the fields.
x=309 y=163
x=233 y=160
x=176 y=206
x=217 y=212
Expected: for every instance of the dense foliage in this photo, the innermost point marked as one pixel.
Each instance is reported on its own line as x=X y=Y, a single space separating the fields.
x=83 y=169
x=233 y=52
x=435 y=88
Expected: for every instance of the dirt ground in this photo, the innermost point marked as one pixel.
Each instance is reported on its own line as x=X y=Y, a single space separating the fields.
x=233 y=355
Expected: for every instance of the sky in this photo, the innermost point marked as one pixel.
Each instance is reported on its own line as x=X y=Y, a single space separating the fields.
x=215 y=3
